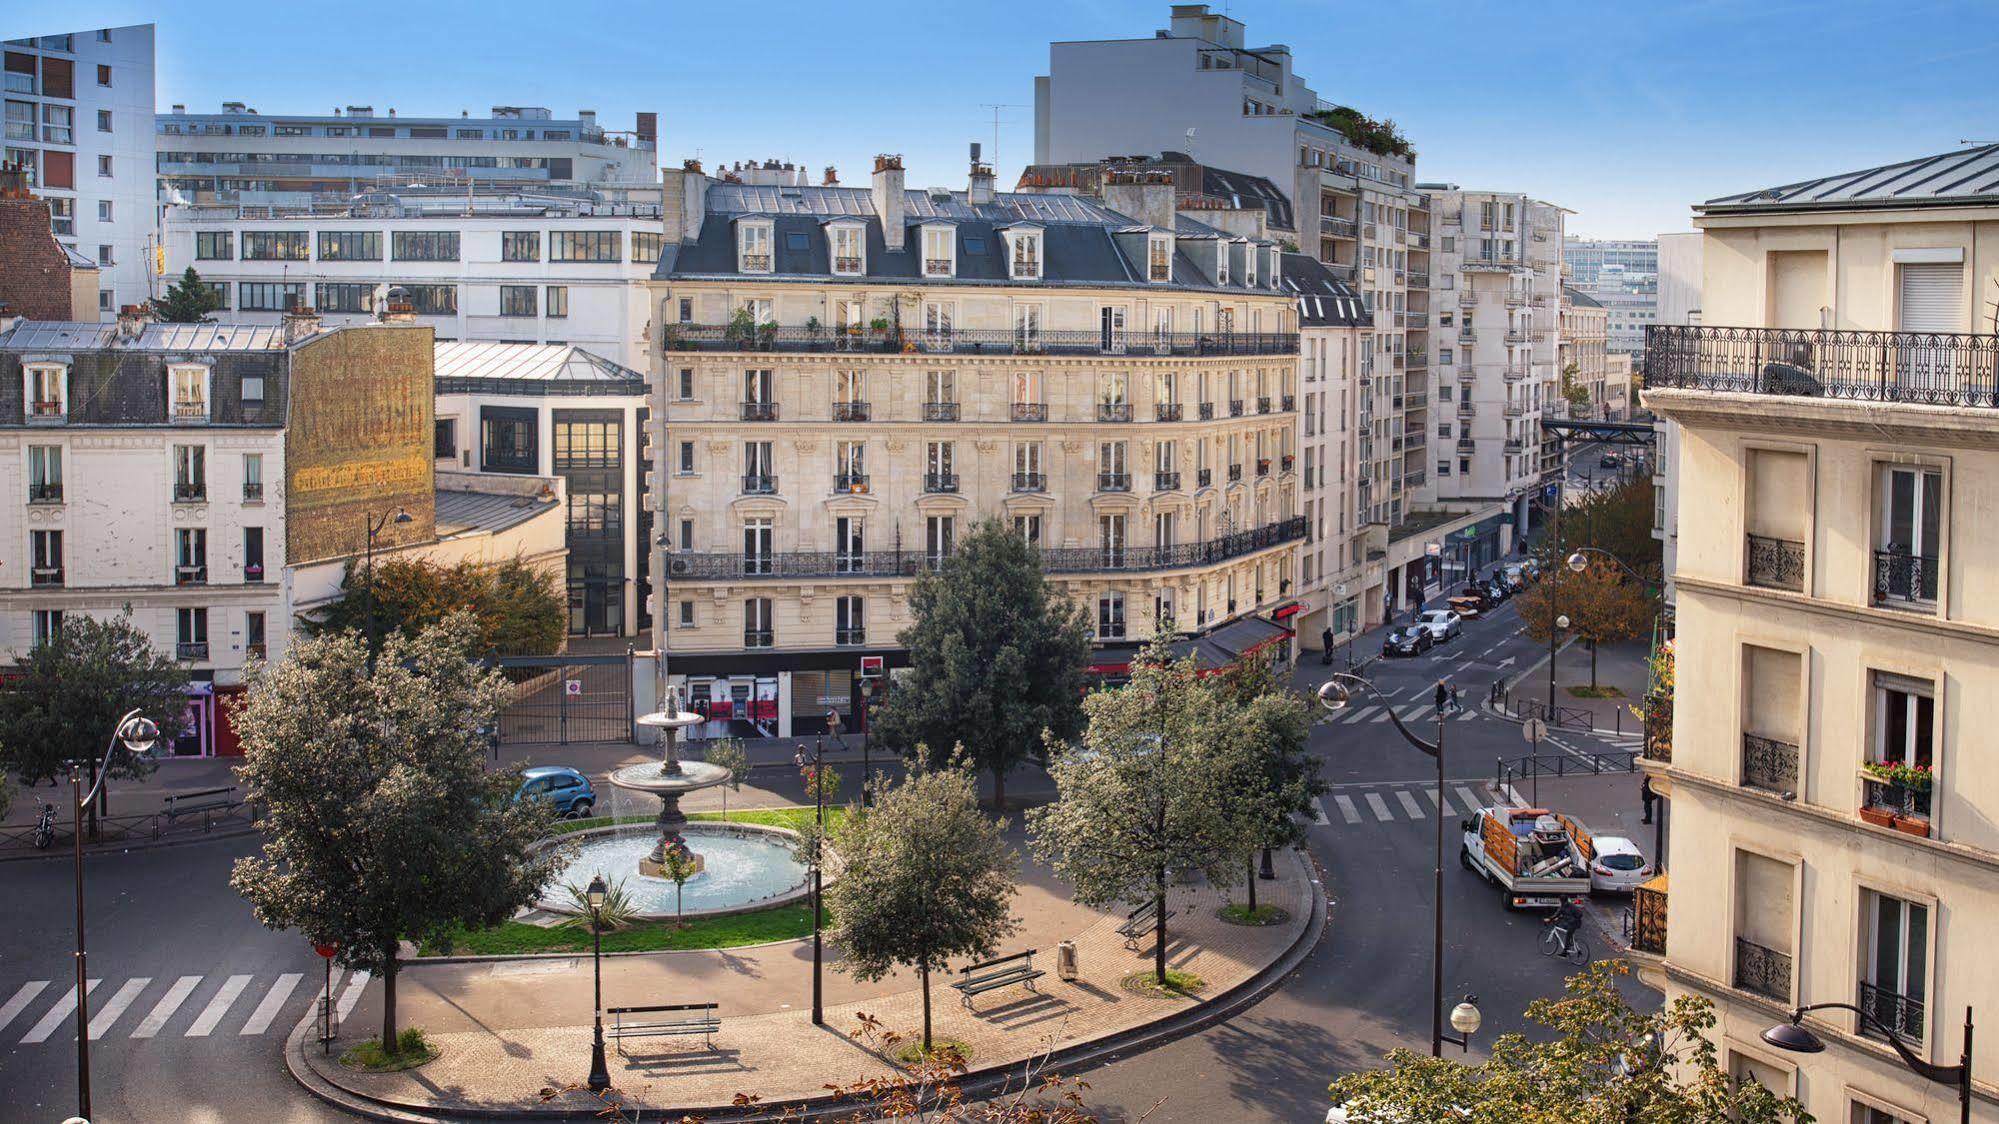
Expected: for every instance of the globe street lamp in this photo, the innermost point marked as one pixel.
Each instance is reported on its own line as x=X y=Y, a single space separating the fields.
x=138 y=735
x=594 y=894
x=1465 y=1019
x=399 y=517
x=1793 y=1037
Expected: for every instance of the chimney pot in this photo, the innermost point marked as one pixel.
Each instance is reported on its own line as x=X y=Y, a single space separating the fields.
x=890 y=203
x=832 y=176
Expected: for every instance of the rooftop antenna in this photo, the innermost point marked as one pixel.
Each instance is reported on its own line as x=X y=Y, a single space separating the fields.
x=996 y=107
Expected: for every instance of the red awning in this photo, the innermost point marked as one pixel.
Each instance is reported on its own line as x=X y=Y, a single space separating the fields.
x=1286 y=612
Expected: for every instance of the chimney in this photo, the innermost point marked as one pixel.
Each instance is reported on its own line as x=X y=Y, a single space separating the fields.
x=301 y=323
x=131 y=321
x=14 y=182
x=1145 y=196
x=890 y=203
x=980 y=189
x=832 y=177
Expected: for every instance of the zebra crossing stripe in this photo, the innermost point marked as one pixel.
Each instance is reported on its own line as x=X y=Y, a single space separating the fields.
x=274 y=999
x=1470 y=799
x=1348 y=812
x=1380 y=807
x=1437 y=798
x=102 y=1019
x=355 y=984
x=64 y=1006
x=218 y=1007
x=12 y=1009
x=1381 y=716
x=1319 y=813
x=1409 y=804
x=165 y=1008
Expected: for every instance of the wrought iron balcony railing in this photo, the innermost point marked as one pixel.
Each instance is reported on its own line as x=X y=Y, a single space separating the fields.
x=1288 y=403
x=759 y=484
x=759 y=411
x=1776 y=563
x=937 y=267
x=1204 y=477
x=1904 y=579
x=45 y=576
x=1235 y=473
x=1769 y=764
x=1659 y=728
x=1207 y=411
x=758 y=638
x=995 y=341
x=1263 y=404
x=1113 y=481
x=940 y=482
x=1929 y=368
x=1030 y=411
x=1901 y=1014
x=1263 y=466
x=190 y=492
x=850 y=483
x=1895 y=799
x=191 y=575
x=849 y=637
x=1030 y=482
x=1648 y=930
x=194 y=651
x=1235 y=407
x=1165 y=481
x=940 y=411
x=45 y=493
x=253 y=492
x=1113 y=411
x=1764 y=971
x=850 y=411
x=1167 y=411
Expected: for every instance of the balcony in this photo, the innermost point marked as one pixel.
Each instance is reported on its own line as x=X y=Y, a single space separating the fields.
x=1235 y=473
x=1113 y=481
x=1776 y=563
x=1286 y=462
x=253 y=492
x=940 y=411
x=1207 y=411
x=1263 y=404
x=1413 y=479
x=850 y=411
x=1481 y=263
x=45 y=412
x=793 y=565
x=45 y=493
x=1769 y=764
x=1514 y=409
x=759 y=411
x=191 y=575
x=1165 y=481
x=1904 y=581
x=1930 y=368
x=1886 y=803
x=253 y=651
x=940 y=483
x=1648 y=929
x=1204 y=477
x=1167 y=411
x=1263 y=466
x=1466 y=446
x=1764 y=971
x=1287 y=403
x=758 y=638
x=42 y=576
x=850 y=637
x=849 y=266
x=1029 y=482
x=1467 y=409
x=189 y=410
x=198 y=650
x=759 y=484
x=1030 y=411
x=1336 y=226
x=1467 y=298
x=190 y=492
x=1418 y=361
x=1419 y=279
x=1901 y=1014
x=1516 y=297
x=1235 y=407
x=974 y=341
x=756 y=263
x=1514 y=372
x=1514 y=445
x=1515 y=336
x=1113 y=411
x=850 y=484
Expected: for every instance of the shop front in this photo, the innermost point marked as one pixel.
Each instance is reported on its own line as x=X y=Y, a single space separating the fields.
x=779 y=694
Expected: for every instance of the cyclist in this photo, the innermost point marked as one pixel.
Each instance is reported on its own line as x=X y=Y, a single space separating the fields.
x=1566 y=921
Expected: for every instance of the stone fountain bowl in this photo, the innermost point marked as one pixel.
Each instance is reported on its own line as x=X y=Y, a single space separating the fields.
x=722 y=843
x=646 y=776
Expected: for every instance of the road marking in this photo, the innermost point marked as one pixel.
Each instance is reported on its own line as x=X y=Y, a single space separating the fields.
x=41 y=1030
x=1381 y=717
x=1469 y=798
x=1409 y=804
x=218 y=1007
x=355 y=984
x=13 y=1008
x=1347 y=811
x=165 y=1008
x=1380 y=807
x=311 y=1015
x=1437 y=797
x=1319 y=813
x=103 y=1017
x=273 y=1000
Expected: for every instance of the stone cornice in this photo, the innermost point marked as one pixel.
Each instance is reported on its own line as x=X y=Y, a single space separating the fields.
x=1842 y=611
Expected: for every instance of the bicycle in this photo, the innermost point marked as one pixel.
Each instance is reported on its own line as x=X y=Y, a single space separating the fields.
x=45 y=827
x=1577 y=952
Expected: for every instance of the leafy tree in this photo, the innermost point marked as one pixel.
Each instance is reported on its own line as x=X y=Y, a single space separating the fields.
x=1617 y=520
x=517 y=609
x=1264 y=742
x=188 y=301
x=728 y=753
x=1601 y=1063
x=65 y=701
x=996 y=658
x=678 y=863
x=1147 y=791
x=1602 y=605
x=927 y=876
x=381 y=823
x=1575 y=392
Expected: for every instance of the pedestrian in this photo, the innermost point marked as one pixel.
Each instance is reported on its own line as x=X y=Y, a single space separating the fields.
x=1443 y=695
x=798 y=756
x=1326 y=646
x=1646 y=795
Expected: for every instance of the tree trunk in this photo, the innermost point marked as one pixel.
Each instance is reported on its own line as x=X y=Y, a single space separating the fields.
x=923 y=973
x=999 y=789
x=1592 y=666
x=1159 y=933
x=390 y=1045
x=1249 y=864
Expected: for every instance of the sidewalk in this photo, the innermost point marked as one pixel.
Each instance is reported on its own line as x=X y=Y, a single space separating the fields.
x=507 y=1030
x=1625 y=667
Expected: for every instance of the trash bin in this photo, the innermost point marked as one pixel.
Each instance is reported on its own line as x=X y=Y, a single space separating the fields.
x=1065 y=960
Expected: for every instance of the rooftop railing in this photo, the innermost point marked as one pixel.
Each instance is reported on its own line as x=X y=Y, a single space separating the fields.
x=1923 y=368
x=974 y=341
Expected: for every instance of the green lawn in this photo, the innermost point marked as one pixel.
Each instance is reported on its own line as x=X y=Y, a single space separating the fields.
x=783 y=922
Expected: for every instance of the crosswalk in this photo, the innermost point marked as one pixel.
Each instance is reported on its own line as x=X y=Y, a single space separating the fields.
x=1373 y=803
x=237 y=1005
x=1410 y=713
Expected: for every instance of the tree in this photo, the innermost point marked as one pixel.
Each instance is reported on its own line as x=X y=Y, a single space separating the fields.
x=1601 y=604
x=1264 y=740
x=1602 y=1063
x=1616 y=520
x=518 y=610
x=728 y=754
x=381 y=823
x=926 y=876
x=996 y=658
x=1145 y=793
x=188 y=301
x=1575 y=392
x=679 y=864
x=68 y=694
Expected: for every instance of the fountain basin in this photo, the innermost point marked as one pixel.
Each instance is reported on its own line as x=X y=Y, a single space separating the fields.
x=747 y=867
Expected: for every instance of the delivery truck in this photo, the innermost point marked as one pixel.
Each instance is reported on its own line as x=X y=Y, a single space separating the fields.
x=1536 y=857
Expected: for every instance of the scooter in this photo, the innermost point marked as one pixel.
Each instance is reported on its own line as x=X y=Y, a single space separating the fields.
x=45 y=827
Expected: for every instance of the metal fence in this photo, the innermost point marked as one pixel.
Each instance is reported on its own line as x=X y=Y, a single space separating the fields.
x=230 y=815
x=1933 y=368
x=569 y=698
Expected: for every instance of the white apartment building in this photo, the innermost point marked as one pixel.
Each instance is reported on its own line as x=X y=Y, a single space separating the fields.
x=1334 y=336
x=79 y=121
x=558 y=268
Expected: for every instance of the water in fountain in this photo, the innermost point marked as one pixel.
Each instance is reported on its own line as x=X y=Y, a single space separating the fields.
x=741 y=869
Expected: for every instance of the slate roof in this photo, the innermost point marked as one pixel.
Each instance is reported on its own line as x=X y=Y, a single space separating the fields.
x=1579 y=298
x=1324 y=301
x=1968 y=175
x=74 y=335
x=1245 y=190
x=464 y=360
x=460 y=512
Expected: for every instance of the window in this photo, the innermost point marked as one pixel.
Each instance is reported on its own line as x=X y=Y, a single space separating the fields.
x=1110 y=616
x=520 y=245
x=1111 y=540
x=424 y=245
x=188 y=385
x=21 y=120
x=797 y=240
x=343 y=296
x=48 y=626
x=850 y=467
x=687 y=614
x=350 y=245
x=1910 y=535
x=253 y=635
x=687 y=458
x=753 y=247
x=276 y=245
x=1163 y=529
x=58 y=124
x=268 y=296
x=939 y=251
x=190 y=473
x=757 y=546
x=850 y=620
x=433 y=300
x=940 y=466
x=1027 y=467
x=1904 y=721
x=44 y=474
x=937 y=321
x=687 y=310
x=45 y=549
x=683 y=385
x=105 y=255
x=191 y=634
x=215 y=245
x=1026 y=255
x=846 y=250
x=1028 y=527
x=757 y=631
x=1027 y=328
x=1893 y=976
x=557 y=306
x=190 y=555
x=508 y=435
x=253 y=554
x=48 y=391
x=444 y=439
x=253 y=477
x=517 y=300
x=687 y=534
x=939 y=538
x=218 y=293
x=645 y=245
x=757 y=461
x=584 y=245
x=104 y=211
x=1159 y=259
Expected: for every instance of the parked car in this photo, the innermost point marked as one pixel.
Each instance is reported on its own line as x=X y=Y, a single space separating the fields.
x=1467 y=608
x=1617 y=866
x=1481 y=593
x=1609 y=460
x=1443 y=624
x=565 y=789
x=1406 y=640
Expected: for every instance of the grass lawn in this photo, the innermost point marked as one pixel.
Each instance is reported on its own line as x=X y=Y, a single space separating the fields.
x=1603 y=692
x=414 y=1050
x=512 y=938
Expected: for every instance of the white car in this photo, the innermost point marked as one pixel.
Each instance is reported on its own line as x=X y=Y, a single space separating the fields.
x=1618 y=866
x=1442 y=624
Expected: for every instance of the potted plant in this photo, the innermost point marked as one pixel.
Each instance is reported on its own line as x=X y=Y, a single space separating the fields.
x=1879 y=817
x=766 y=334
x=813 y=328
x=1912 y=825
x=742 y=326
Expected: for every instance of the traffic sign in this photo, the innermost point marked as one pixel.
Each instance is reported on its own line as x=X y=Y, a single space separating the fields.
x=871 y=666
x=1534 y=729
x=572 y=686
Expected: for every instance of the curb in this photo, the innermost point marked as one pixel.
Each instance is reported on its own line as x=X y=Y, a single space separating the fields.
x=975 y=1083
x=62 y=852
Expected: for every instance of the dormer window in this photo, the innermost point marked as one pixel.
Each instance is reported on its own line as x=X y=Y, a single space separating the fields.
x=1024 y=251
x=753 y=247
x=940 y=251
x=187 y=393
x=1249 y=253
x=1276 y=269
x=1221 y=263
x=47 y=392
x=1159 y=258
x=847 y=244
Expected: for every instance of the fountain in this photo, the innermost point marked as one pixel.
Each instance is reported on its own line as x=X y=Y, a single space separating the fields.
x=669 y=780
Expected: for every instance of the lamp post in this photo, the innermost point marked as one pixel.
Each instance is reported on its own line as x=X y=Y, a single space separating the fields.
x=1554 y=536
x=1336 y=694
x=600 y=1073
x=138 y=735
x=818 y=856
x=867 y=738
x=400 y=516
x=1793 y=1036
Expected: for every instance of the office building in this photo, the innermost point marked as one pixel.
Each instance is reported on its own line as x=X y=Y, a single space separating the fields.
x=1623 y=277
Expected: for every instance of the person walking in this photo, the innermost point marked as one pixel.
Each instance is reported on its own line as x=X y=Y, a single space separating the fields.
x=1326 y=646
x=1647 y=796
x=1443 y=695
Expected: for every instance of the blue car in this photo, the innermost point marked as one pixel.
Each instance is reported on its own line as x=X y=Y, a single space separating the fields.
x=565 y=789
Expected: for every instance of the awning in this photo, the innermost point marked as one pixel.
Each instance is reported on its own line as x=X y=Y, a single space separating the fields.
x=1286 y=612
x=1211 y=651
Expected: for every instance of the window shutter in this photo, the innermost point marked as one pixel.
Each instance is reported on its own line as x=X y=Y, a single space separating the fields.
x=1930 y=297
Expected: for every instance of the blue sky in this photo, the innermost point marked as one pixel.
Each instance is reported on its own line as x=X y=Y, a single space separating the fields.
x=1623 y=111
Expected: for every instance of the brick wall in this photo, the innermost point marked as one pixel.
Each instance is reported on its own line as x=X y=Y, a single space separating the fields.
x=34 y=272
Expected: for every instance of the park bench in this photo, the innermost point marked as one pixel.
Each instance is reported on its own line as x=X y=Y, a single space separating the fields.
x=207 y=800
x=990 y=975
x=1140 y=921
x=695 y=1018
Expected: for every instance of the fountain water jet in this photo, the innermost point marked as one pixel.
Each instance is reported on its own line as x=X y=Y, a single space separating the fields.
x=671 y=779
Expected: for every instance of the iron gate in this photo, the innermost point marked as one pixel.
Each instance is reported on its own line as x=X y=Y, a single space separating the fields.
x=572 y=698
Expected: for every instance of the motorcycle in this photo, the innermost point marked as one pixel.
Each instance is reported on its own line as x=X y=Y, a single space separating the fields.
x=45 y=827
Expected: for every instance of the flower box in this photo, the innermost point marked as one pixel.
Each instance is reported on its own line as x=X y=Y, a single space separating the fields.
x=1912 y=825
x=1879 y=817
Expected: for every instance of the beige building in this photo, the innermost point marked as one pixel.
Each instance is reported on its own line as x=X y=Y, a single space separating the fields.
x=853 y=377
x=1334 y=370
x=1835 y=812
x=1583 y=361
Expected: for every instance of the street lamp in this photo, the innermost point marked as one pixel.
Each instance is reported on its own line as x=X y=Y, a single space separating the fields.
x=400 y=516
x=1337 y=694
x=138 y=735
x=1793 y=1037
x=818 y=862
x=594 y=894
x=867 y=738
x=1465 y=1019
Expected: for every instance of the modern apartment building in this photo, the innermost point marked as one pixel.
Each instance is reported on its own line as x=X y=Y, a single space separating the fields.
x=1498 y=298
x=79 y=123
x=242 y=156
x=1833 y=801
x=557 y=267
x=1334 y=337
x=1581 y=359
x=853 y=377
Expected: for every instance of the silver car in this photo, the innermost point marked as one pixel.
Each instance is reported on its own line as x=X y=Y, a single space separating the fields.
x=1441 y=624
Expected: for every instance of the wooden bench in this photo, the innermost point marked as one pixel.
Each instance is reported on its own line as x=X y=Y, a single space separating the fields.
x=697 y=1018
x=207 y=800
x=990 y=975
x=1140 y=921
